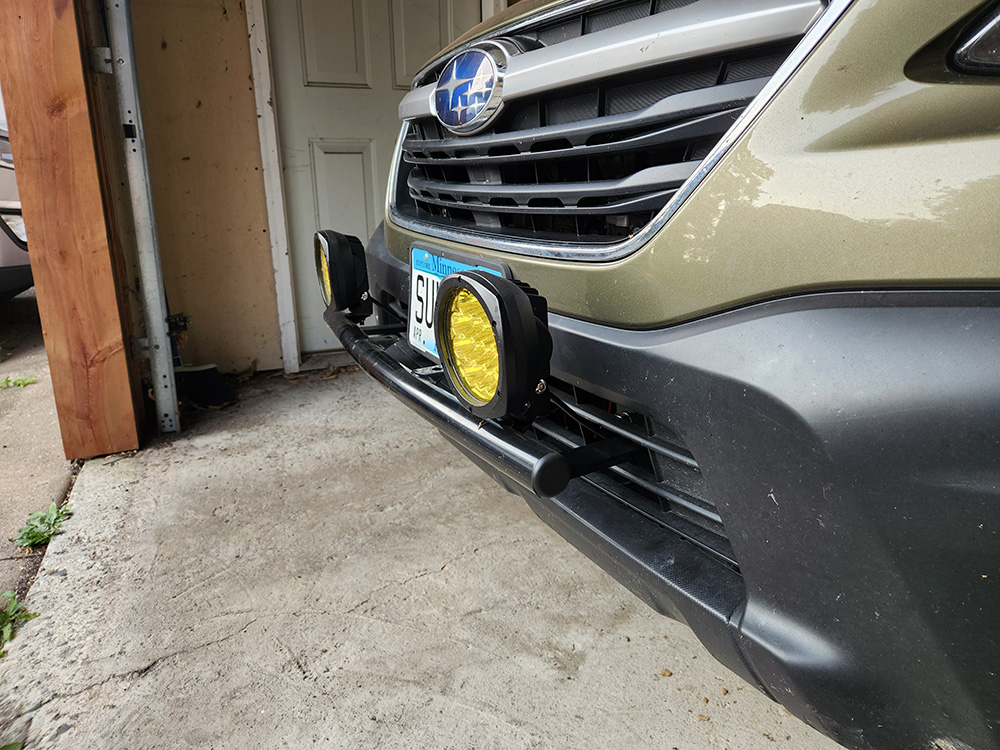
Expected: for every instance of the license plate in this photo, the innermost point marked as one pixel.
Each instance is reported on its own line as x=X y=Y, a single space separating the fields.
x=426 y=272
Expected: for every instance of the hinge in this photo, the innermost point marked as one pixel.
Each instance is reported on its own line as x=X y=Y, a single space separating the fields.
x=100 y=61
x=175 y=324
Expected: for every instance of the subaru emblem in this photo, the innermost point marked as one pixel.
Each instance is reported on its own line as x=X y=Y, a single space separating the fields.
x=468 y=92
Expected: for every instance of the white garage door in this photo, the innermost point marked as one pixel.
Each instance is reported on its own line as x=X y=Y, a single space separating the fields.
x=340 y=68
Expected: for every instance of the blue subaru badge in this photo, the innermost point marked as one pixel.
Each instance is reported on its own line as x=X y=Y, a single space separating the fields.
x=468 y=91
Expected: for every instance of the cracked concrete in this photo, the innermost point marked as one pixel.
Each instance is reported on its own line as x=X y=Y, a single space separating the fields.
x=317 y=567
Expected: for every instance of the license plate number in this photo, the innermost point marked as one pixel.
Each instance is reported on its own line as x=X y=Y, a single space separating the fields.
x=426 y=272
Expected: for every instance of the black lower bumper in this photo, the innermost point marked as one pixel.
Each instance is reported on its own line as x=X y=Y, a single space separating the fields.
x=668 y=573
x=851 y=443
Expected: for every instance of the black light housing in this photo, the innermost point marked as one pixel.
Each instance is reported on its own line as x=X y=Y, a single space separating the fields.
x=967 y=53
x=979 y=52
x=518 y=316
x=342 y=273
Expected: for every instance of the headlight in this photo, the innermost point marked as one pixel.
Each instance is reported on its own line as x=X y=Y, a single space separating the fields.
x=15 y=223
x=980 y=52
x=6 y=156
x=494 y=345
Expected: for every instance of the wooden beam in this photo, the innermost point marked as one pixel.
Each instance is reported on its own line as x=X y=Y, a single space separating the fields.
x=270 y=156
x=114 y=189
x=42 y=77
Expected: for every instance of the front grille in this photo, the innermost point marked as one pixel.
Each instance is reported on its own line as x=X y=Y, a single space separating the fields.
x=665 y=483
x=589 y=162
x=588 y=22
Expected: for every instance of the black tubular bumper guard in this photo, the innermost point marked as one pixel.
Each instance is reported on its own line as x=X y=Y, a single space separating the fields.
x=519 y=458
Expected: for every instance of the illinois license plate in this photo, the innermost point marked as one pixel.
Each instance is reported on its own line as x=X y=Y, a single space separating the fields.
x=426 y=271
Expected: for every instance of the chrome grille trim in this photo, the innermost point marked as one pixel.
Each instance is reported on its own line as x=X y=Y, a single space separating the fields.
x=537 y=20
x=706 y=28
x=571 y=196
x=567 y=250
x=695 y=107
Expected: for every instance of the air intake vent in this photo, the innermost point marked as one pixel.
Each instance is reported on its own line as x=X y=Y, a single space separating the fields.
x=665 y=485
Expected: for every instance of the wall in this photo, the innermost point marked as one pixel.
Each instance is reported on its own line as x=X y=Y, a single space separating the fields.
x=193 y=60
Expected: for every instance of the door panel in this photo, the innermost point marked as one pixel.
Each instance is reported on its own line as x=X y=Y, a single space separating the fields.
x=345 y=181
x=335 y=49
x=421 y=28
x=339 y=69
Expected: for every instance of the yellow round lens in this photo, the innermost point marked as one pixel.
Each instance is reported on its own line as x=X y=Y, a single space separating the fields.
x=324 y=277
x=472 y=347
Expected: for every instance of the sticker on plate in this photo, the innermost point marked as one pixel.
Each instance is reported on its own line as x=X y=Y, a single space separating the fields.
x=426 y=272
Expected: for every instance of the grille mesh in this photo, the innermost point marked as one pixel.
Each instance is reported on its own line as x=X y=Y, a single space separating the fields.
x=664 y=484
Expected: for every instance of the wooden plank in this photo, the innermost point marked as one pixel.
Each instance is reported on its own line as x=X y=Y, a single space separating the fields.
x=107 y=128
x=267 y=128
x=42 y=77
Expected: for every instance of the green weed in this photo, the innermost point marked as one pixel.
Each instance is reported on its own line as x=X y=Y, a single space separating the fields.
x=41 y=526
x=17 y=383
x=12 y=614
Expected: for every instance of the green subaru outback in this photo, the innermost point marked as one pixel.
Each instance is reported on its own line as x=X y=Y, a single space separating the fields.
x=715 y=286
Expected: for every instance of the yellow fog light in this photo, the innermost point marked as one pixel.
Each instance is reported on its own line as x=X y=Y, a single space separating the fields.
x=494 y=345
x=342 y=273
x=471 y=346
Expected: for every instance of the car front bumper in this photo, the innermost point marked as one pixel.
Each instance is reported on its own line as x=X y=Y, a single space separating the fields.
x=851 y=444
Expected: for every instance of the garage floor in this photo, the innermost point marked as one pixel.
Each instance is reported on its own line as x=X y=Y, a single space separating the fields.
x=316 y=567
x=34 y=471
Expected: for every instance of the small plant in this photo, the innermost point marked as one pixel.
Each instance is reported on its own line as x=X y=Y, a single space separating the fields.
x=12 y=614
x=42 y=525
x=16 y=383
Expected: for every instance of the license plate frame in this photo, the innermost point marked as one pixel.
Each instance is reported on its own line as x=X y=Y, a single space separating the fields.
x=428 y=265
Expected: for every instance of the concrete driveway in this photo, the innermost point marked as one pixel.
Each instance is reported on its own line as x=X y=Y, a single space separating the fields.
x=317 y=568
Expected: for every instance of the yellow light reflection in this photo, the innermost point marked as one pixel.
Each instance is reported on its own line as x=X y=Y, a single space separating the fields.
x=324 y=272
